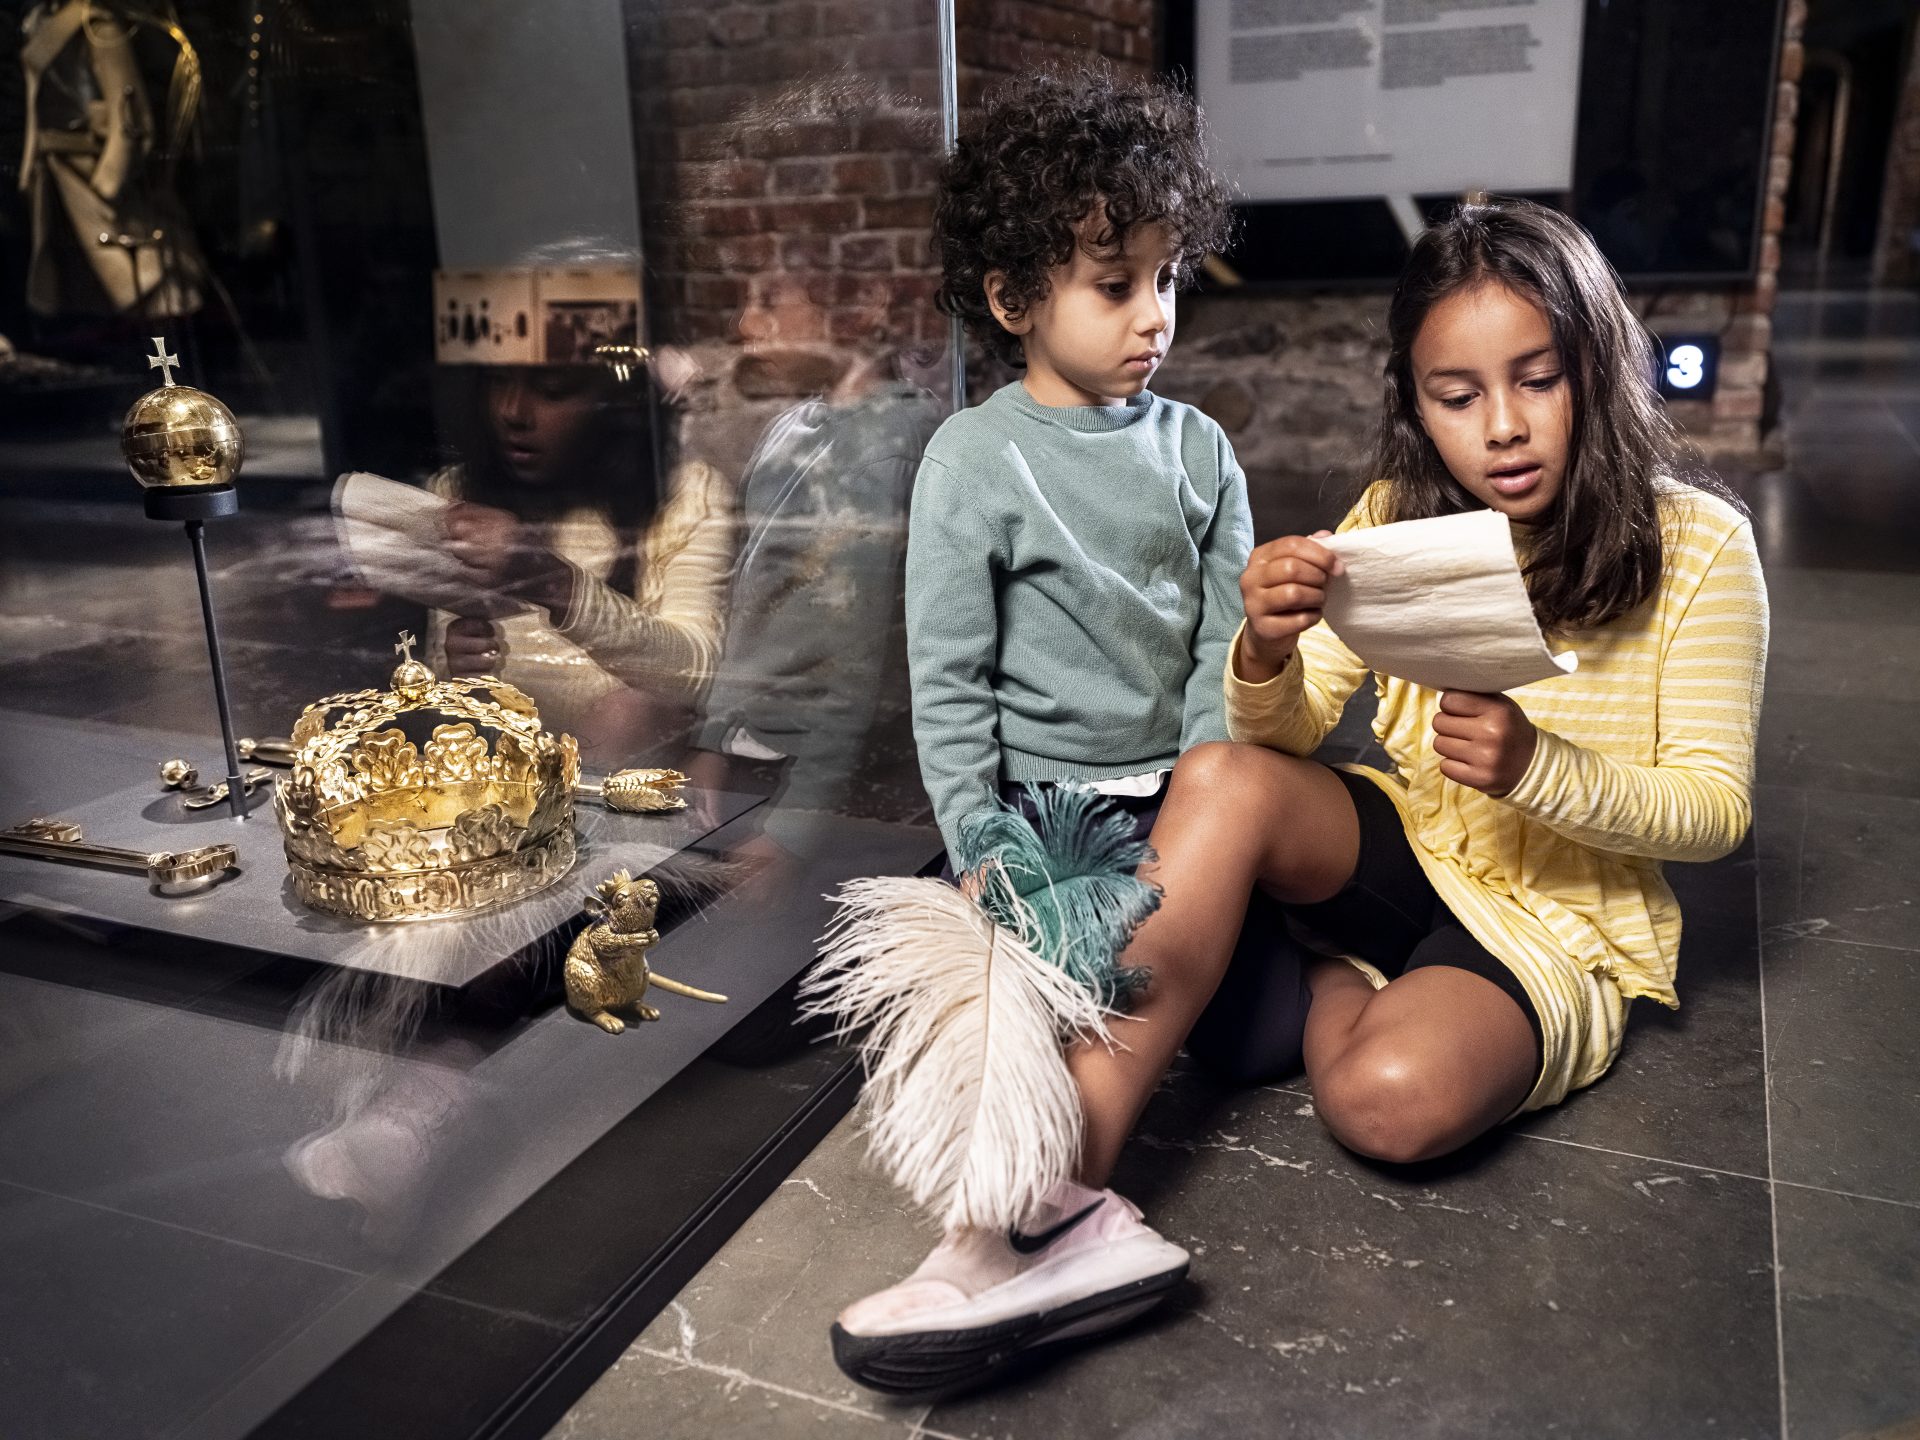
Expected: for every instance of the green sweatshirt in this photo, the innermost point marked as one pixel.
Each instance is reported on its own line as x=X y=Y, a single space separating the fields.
x=1073 y=584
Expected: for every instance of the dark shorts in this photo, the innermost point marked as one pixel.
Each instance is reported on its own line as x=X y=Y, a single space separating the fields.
x=1387 y=915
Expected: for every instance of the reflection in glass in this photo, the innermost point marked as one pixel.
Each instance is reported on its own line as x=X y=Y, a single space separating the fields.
x=675 y=519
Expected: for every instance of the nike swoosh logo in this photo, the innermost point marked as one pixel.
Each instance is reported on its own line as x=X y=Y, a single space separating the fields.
x=1034 y=1244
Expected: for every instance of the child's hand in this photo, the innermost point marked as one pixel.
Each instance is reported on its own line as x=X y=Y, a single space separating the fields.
x=1485 y=741
x=498 y=552
x=474 y=647
x=1283 y=589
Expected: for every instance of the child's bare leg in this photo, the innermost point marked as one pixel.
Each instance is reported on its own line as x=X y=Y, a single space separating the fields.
x=1235 y=815
x=1419 y=1068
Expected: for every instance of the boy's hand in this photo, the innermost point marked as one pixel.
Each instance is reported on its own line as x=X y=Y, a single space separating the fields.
x=1283 y=589
x=1483 y=741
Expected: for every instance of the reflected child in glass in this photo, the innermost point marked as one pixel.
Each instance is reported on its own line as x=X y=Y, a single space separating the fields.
x=813 y=672
x=1074 y=550
x=569 y=502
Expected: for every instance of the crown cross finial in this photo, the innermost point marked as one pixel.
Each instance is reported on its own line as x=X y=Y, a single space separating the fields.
x=160 y=360
x=405 y=648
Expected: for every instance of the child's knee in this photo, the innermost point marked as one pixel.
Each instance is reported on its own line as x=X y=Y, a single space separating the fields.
x=1378 y=1103
x=1219 y=771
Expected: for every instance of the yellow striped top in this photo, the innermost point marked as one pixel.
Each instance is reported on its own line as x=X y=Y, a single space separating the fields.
x=1645 y=755
x=663 y=640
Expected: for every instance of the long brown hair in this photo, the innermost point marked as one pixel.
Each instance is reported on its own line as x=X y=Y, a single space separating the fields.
x=1596 y=554
x=621 y=466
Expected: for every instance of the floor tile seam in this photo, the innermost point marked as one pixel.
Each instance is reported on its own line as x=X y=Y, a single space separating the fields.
x=1729 y=1174
x=191 y=1230
x=1636 y=1155
x=1849 y=1194
x=1766 y=1103
x=1723 y=1170
x=1767 y=938
x=921 y=1432
x=734 y=1375
x=1801 y=793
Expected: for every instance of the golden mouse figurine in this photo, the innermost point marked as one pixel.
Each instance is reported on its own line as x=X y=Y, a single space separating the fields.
x=606 y=966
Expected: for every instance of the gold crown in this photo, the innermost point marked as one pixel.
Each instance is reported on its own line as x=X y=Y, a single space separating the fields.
x=434 y=798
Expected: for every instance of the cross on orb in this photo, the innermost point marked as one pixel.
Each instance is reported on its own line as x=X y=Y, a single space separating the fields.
x=161 y=360
x=405 y=648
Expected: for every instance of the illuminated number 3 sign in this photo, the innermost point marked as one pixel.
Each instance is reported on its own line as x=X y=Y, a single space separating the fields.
x=1689 y=370
x=1686 y=366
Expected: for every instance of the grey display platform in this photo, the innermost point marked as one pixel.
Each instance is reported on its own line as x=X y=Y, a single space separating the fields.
x=255 y=907
x=231 y=1176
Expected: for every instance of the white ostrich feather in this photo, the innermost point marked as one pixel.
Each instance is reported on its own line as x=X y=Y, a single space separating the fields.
x=971 y=1108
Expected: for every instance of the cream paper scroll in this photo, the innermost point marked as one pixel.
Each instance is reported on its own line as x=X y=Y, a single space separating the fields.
x=395 y=537
x=1440 y=603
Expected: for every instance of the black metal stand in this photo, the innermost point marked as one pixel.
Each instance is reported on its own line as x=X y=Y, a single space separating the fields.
x=195 y=508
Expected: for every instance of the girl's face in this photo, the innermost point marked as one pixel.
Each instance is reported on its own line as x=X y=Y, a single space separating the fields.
x=539 y=416
x=1492 y=395
x=1104 y=325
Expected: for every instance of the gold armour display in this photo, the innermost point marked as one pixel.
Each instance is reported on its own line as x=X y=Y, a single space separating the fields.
x=432 y=799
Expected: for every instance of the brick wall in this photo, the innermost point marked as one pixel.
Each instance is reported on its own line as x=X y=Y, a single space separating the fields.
x=1896 y=252
x=1004 y=37
x=788 y=152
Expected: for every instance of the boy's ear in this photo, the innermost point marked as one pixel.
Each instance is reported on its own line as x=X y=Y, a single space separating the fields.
x=1014 y=322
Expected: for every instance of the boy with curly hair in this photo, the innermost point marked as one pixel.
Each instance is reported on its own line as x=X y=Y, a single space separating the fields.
x=1073 y=563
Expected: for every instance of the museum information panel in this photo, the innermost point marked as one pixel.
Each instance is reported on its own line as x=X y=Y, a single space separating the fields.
x=1329 y=99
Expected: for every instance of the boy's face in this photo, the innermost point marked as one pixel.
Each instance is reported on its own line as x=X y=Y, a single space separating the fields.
x=1104 y=325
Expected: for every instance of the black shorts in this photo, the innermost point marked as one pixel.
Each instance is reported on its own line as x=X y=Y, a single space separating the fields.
x=1389 y=915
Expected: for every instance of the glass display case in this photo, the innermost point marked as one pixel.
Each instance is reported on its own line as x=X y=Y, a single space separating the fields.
x=593 y=346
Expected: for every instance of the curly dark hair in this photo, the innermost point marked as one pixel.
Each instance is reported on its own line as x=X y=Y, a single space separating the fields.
x=1048 y=150
x=1597 y=553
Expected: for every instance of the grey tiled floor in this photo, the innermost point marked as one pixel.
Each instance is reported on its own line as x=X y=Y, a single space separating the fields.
x=1720 y=1239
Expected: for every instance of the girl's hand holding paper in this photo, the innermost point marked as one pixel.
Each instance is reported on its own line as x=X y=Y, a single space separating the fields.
x=1283 y=588
x=1483 y=741
x=1440 y=603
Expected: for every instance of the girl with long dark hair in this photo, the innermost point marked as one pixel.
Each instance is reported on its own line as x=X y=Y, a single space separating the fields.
x=1496 y=897
x=570 y=503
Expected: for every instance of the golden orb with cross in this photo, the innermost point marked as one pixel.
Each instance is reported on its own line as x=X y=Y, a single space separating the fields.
x=180 y=438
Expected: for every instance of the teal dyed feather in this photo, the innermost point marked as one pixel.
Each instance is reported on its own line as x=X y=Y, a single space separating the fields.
x=1065 y=882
